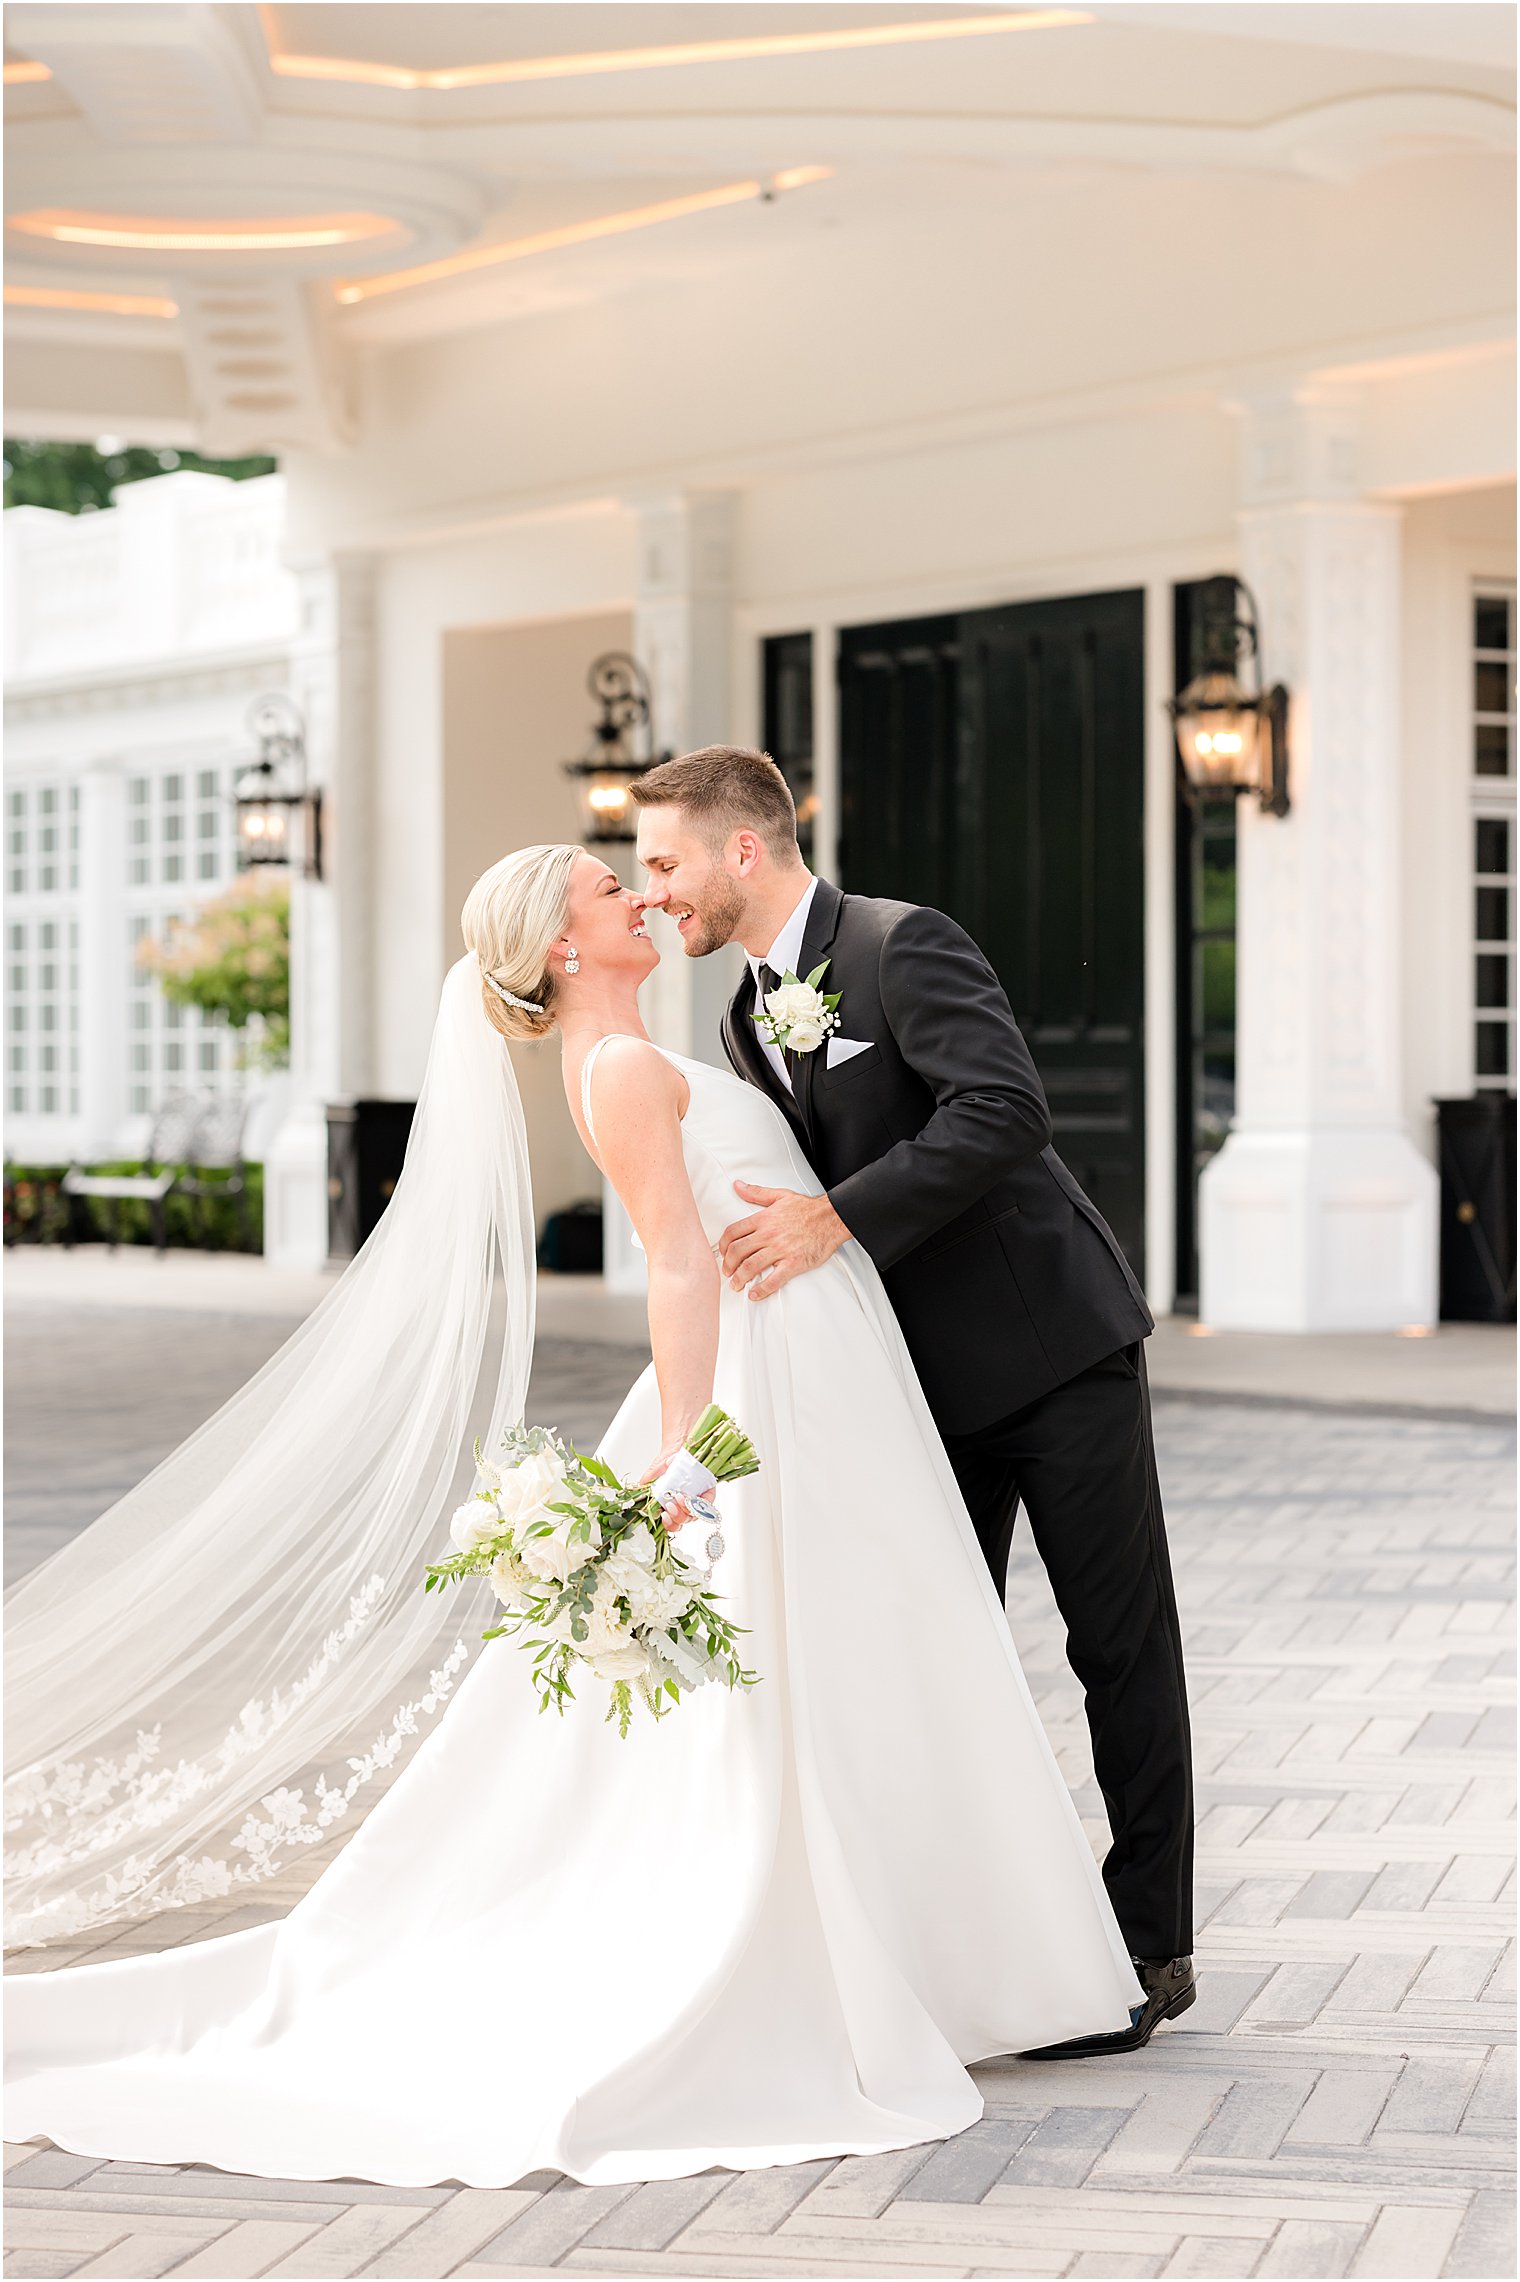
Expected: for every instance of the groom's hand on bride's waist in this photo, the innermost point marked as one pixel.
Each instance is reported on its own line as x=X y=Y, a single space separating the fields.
x=786 y=1236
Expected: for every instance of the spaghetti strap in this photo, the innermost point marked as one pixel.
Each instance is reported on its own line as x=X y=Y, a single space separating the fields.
x=589 y=1065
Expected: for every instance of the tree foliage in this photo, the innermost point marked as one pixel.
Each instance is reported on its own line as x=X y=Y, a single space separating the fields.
x=233 y=958
x=77 y=479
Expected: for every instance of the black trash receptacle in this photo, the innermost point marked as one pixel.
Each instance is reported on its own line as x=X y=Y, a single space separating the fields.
x=366 y=1147
x=1477 y=1208
x=571 y=1244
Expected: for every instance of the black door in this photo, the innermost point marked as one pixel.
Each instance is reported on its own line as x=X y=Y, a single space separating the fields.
x=993 y=764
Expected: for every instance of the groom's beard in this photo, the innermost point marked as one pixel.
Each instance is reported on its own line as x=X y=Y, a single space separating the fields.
x=716 y=913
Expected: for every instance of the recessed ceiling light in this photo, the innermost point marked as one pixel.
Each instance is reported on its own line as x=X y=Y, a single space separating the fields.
x=170 y=234
x=23 y=74
x=517 y=69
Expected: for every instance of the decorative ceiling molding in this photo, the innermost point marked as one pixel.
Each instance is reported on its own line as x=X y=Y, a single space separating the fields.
x=518 y=70
x=1186 y=392
x=158 y=71
x=104 y=689
x=1334 y=141
x=265 y=370
x=476 y=258
x=1338 y=142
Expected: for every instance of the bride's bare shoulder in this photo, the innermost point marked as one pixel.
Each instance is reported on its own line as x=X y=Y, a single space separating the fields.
x=626 y=1081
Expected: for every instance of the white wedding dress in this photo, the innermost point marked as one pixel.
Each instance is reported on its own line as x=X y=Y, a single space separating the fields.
x=778 y=1925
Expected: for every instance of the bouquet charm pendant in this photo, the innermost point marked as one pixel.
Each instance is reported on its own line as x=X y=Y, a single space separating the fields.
x=704 y=1511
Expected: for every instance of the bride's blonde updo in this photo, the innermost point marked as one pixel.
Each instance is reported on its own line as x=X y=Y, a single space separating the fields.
x=511 y=916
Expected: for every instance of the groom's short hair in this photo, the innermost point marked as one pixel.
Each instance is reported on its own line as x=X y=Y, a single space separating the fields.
x=721 y=790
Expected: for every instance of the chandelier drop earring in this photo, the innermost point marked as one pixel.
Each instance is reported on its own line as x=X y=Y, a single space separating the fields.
x=572 y=960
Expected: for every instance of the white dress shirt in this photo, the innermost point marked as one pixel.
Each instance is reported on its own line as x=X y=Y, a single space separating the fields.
x=784 y=953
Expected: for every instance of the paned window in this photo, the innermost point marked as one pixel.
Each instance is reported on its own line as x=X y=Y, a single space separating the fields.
x=1494 y=952
x=41 y=984
x=17 y=843
x=1493 y=840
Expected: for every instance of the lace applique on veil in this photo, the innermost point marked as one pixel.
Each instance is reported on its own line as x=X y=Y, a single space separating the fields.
x=175 y=1673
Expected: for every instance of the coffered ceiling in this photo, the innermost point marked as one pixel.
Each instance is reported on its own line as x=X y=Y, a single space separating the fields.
x=257 y=192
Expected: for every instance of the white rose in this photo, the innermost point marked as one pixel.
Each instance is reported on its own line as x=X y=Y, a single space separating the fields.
x=552 y=1559
x=793 y=1002
x=527 y=1490
x=525 y=1498
x=473 y=1523
x=807 y=1033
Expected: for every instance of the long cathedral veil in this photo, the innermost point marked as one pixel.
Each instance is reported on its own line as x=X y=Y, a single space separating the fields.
x=207 y=1679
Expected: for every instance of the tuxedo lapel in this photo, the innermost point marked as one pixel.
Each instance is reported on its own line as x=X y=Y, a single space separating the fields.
x=742 y=1043
x=817 y=943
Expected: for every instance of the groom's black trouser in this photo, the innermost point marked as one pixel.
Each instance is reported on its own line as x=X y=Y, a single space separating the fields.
x=1082 y=1462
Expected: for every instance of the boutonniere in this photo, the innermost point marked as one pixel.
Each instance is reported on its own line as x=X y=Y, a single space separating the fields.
x=798 y=1016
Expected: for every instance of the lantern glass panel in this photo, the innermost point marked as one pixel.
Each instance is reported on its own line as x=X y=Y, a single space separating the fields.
x=263 y=832
x=1219 y=734
x=604 y=803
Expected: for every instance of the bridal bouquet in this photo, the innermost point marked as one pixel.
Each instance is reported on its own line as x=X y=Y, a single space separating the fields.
x=588 y=1572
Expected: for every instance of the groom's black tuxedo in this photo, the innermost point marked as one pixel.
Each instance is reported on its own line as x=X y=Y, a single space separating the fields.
x=1026 y=1328
x=934 y=1146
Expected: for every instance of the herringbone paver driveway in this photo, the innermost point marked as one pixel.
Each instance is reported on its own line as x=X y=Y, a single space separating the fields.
x=1339 y=2101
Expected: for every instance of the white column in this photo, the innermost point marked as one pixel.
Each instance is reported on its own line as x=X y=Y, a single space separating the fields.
x=105 y=961
x=331 y=679
x=826 y=771
x=1320 y=1213
x=682 y=637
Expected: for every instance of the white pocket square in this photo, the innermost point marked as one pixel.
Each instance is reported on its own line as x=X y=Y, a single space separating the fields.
x=842 y=1049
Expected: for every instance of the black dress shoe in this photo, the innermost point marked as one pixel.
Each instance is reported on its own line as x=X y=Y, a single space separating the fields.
x=1169 y=1990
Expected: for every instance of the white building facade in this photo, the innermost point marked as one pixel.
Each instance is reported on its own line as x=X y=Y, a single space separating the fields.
x=890 y=403
x=136 y=640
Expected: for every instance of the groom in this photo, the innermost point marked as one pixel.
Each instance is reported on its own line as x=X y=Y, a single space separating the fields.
x=924 y=1117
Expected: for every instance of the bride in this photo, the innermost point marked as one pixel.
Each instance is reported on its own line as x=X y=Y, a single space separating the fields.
x=779 y=1925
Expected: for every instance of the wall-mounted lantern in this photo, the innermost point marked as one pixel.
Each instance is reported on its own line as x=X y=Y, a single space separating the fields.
x=1231 y=738
x=611 y=761
x=279 y=815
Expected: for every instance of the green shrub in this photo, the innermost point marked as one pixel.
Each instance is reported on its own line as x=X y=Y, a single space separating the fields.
x=37 y=1212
